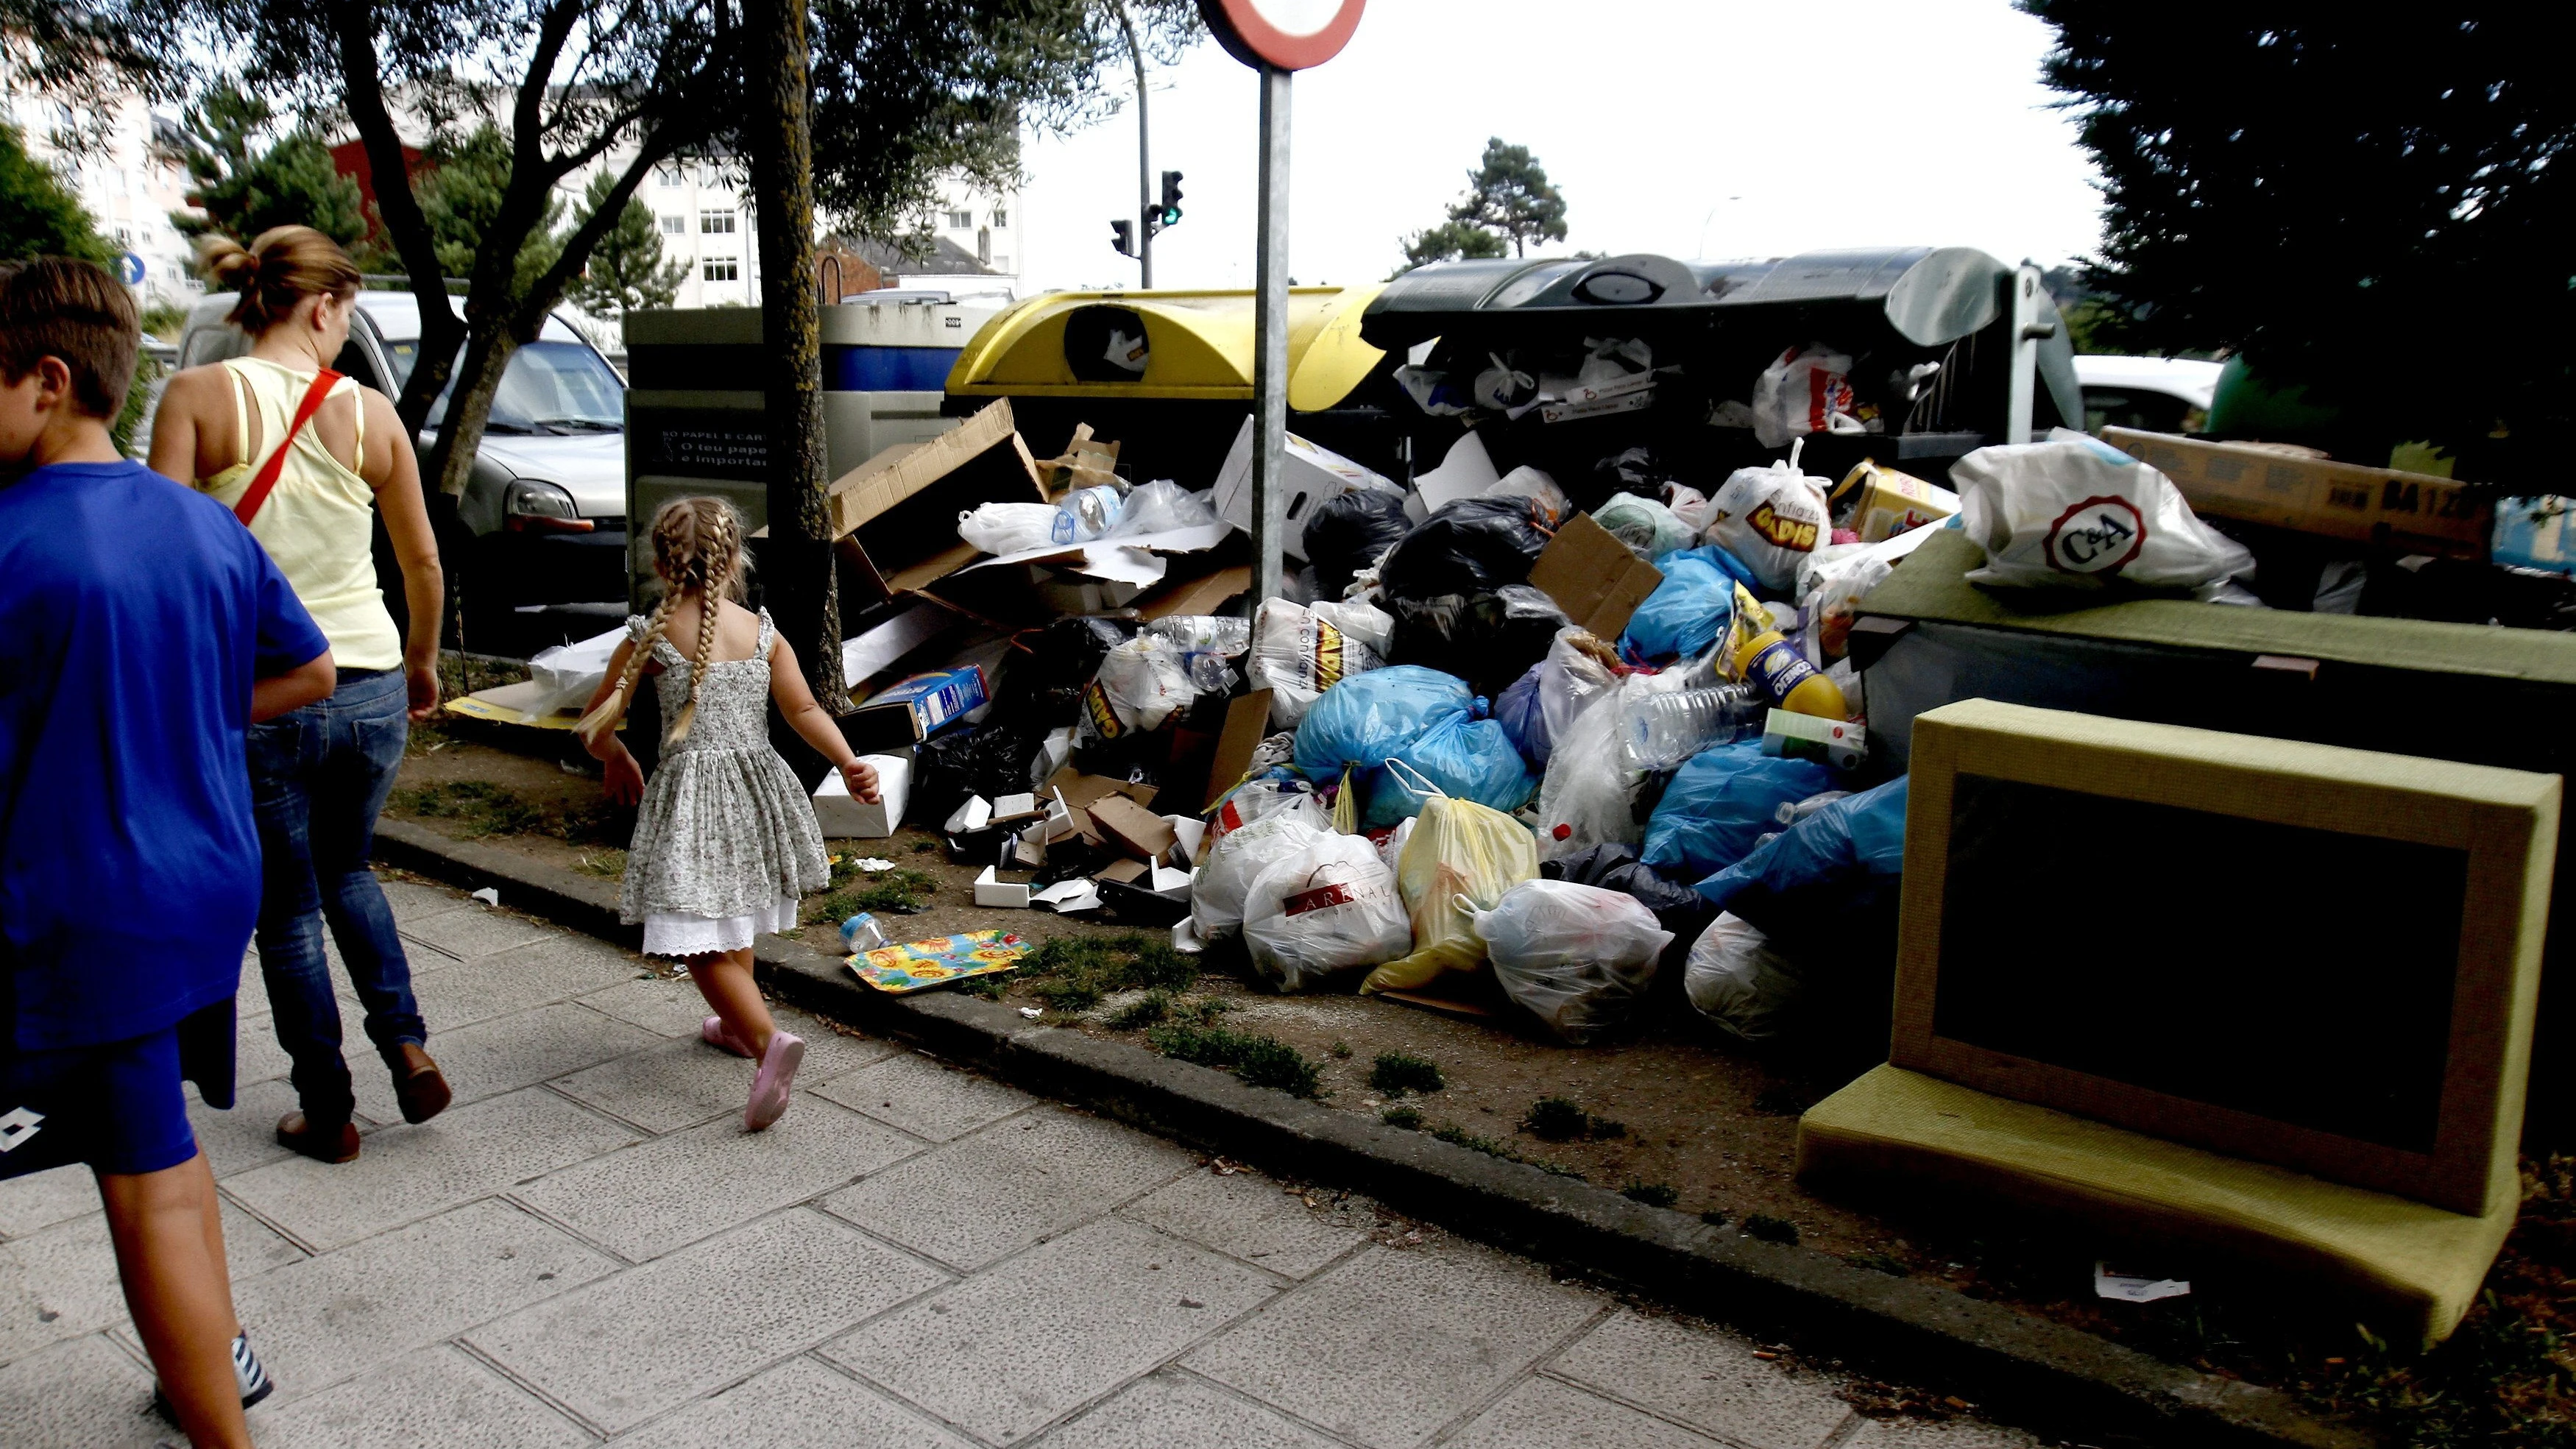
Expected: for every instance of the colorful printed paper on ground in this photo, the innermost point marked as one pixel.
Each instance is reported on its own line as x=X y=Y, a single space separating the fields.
x=937 y=962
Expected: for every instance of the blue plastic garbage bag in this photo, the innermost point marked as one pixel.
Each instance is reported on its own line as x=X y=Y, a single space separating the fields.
x=1357 y=723
x=1522 y=719
x=1858 y=835
x=1689 y=610
x=1721 y=802
x=1468 y=759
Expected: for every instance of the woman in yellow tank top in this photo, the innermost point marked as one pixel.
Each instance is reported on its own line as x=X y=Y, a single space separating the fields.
x=320 y=775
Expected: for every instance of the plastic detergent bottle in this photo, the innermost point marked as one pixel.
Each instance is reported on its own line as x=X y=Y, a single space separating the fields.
x=1765 y=658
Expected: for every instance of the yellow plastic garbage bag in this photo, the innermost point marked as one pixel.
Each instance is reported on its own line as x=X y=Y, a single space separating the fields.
x=1460 y=854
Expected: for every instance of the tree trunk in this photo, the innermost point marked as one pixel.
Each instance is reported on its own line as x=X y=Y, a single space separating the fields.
x=801 y=583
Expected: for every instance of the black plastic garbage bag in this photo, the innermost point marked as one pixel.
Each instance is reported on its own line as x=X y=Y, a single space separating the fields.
x=1472 y=546
x=1488 y=639
x=1348 y=531
x=1043 y=680
x=991 y=761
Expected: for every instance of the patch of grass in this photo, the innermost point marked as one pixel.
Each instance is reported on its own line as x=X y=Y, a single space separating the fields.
x=1408 y=1118
x=1147 y=1010
x=1714 y=1218
x=480 y=806
x=1396 y=1073
x=1561 y=1119
x=924 y=847
x=1075 y=973
x=904 y=892
x=1880 y=1262
x=1652 y=1194
x=1770 y=1229
x=992 y=987
x=1209 y=1008
x=1261 y=1060
x=608 y=864
x=1341 y=1051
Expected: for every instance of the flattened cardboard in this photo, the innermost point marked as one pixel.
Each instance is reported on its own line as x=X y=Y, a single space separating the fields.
x=1082 y=791
x=895 y=515
x=1203 y=594
x=1593 y=577
x=1247 y=723
x=1123 y=871
x=1132 y=828
x=2414 y=511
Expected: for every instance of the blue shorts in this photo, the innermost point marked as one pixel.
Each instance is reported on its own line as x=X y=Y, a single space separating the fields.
x=117 y=1106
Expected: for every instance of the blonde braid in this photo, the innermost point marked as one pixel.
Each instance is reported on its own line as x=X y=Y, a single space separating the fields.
x=713 y=565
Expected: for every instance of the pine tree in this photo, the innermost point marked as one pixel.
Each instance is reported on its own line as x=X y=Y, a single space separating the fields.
x=1508 y=195
x=626 y=269
x=1447 y=242
x=460 y=193
x=244 y=188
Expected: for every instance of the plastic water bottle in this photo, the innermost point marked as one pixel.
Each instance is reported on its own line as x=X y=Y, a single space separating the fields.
x=1668 y=727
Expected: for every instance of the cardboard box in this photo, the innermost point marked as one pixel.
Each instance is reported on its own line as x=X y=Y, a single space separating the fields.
x=991 y=890
x=1881 y=503
x=1593 y=577
x=1465 y=471
x=895 y=516
x=1206 y=593
x=1247 y=724
x=1083 y=791
x=1132 y=828
x=1310 y=475
x=1598 y=406
x=1833 y=742
x=913 y=710
x=844 y=817
x=2411 y=512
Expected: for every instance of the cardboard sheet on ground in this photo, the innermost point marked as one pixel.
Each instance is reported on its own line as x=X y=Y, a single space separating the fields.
x=524 y=703
x=915 y=965
x=1136 y=559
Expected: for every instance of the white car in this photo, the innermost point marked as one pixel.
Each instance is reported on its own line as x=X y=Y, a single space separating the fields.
x=536 y=545
x=2150 y=394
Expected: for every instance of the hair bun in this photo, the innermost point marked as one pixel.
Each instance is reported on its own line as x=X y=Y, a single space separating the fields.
x=228 y=263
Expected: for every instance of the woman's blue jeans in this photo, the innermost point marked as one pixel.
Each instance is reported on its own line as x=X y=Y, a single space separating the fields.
x=318 y=777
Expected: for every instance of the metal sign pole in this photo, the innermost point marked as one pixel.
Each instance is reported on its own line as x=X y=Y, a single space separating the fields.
x=1270 y=338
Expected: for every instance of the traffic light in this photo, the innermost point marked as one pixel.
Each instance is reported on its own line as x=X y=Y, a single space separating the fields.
x=1171 y=198
x=1122 y=237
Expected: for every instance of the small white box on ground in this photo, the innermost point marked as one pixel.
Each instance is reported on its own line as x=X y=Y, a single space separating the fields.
x=992 y=891
x=845 y=817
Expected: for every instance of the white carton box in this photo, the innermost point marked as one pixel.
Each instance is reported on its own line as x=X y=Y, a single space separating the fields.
x=1312 y=475
x=844 y=818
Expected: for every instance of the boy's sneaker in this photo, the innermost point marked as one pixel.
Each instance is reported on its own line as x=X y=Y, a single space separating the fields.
x=254 y=1380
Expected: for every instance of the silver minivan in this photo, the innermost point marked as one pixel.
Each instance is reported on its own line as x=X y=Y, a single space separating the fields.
x=535 y=548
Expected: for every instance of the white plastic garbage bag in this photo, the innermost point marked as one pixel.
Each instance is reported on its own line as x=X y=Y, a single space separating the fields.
x=1577 y=956
x=1804 y=392
x=1771 y=518
x=1359 y=620
x=999 y=528
x=2076 y=513
x=569 y=674
x=1296 y=655
x=1138 y=686
x=1650 y=529
x=1531 y=483
x=1327 y=907
x=1160 y=507
x=1244 y=852
x=1736 y=980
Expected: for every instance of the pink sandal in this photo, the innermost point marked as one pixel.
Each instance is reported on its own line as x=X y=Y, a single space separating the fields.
x=715 y=1033
x=769 y=1085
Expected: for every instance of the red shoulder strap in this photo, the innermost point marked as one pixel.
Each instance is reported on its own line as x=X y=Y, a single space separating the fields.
x=266 y=479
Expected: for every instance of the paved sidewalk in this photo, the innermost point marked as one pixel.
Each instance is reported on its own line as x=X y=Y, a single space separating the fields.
x=588 y=1247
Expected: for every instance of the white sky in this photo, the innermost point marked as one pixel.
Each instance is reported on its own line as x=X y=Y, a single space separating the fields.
x=1767 y=129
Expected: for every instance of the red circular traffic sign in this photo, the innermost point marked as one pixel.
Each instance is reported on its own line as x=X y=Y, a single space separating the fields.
x=1282 y=34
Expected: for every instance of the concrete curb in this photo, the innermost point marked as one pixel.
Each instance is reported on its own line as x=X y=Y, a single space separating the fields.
x=2050 y=1377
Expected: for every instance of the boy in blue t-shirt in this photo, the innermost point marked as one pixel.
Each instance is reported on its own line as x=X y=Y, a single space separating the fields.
x=142 y=629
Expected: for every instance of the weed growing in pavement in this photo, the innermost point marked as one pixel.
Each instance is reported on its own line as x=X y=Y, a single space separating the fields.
x=1408 y=1118
x=1397 y=1073
x=1147 y=1010
x=1261 y=1060
x=991 y=988
x=608 y=864
x=1561 y=1119
x=1341 y=1051
x=1770 y=1229
x=1652 y=1194
x=1457 y=1136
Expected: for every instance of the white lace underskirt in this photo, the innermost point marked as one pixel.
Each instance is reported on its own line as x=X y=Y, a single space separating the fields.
x=668 y=933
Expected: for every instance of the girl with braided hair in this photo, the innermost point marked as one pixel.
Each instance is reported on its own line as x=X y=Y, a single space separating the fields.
x=725 y=840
